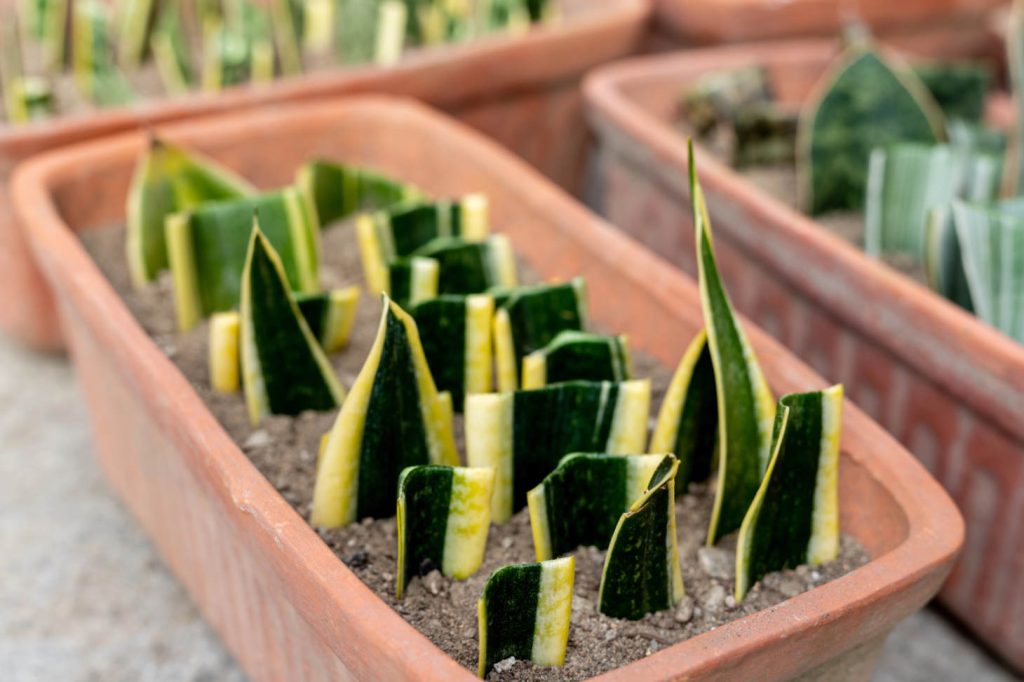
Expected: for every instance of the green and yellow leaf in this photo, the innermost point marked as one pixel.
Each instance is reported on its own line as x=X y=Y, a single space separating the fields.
x=444 y=516
x=794 y=518
x=524 y=434
x=580 y=502
x=524 y=613
x=575 y=355
x=456 y=336
x=393 y=418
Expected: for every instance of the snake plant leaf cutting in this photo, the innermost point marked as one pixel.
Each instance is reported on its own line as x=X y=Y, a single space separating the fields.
x=641 y=571
x=411 y=281
x=529 y=318
x=444 y=515
x=745 y=405
x=574 y=355
x=524 y=613
x=687 y=422
x=580 y=502
x=356 y=31
x=93 y=55
x=135 y=18
x=335 y=191
x=206 y=247
x=405 y=229
x=284 y=369
x=863 y=102
x=943 y=259
x=456 y=335
x=464 y=267
x=908 y=181
x=330 y=315
x=1015 y=62
x=794 y=519
x=393 y=418
x=169 y=180
x=991 y=239
x=524 y=434
x=44 y=22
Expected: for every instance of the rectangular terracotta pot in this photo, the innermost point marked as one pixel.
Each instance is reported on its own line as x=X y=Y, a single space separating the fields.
x=728 y=21
x=523 y=91
x=947 y=385
x=281 y=600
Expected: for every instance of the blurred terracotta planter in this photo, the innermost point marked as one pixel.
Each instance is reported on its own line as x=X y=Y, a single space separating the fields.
x=283 y=603
x=523 y=91
x=948 y=386
x=728 y=21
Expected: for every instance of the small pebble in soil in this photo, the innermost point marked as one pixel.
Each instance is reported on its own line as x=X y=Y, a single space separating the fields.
x=717 y=563
x=257 y=439
x=505 y=665
x=684 y=610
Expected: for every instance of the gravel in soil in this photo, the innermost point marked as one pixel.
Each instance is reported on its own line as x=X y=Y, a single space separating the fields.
x=284 y=449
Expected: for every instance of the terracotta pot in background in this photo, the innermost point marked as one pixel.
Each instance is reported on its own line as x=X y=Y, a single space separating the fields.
x=727 y=21
x=281 y=600
x=523 y=91
x=948 y=386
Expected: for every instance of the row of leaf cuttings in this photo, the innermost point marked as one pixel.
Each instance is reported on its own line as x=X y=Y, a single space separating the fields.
x=210 y=45
x=554 y=419
x=908 y=146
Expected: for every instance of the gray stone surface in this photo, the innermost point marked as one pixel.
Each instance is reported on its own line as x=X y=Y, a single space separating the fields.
x=84 y=597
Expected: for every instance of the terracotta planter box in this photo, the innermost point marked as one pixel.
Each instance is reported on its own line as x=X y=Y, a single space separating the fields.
x=727 y=21
x=948 y=386
x=281 y=600
x=522 y=91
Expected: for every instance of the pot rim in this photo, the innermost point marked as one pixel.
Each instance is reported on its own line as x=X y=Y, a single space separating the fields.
x=934 y=527
x=972 y=360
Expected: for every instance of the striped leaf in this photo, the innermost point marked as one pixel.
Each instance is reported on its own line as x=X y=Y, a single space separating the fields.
x=529 y=318
x=862 y=103
x=794 y=519
x=1015 y=62
x=688 y=419
x=524 y=613
x=456 y=336
x=330 y=315
x=168 y=180
x=407 y=229
x=745 y=405
x=284 y=369
x=580 y=502
x=578 y=356
x=444 y=515
x=335 y=191
x=393 y=418
x=991 y=238
x=524 y=434
x=462 y=267
x=943 y=259
x=207 y=246
x=641 y=571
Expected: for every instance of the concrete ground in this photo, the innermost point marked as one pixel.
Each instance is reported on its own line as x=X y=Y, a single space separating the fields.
x=84 y=597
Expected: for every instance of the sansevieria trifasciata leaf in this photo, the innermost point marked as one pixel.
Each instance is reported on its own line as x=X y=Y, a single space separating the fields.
x=168 y=180
x=794 y=518
x=335 y=191
x=284 y=369
x=575 y=355
x=393 y=418
x=580 y=502
x=641 y=572
x=444 y=515
x=207 y=247
x=524 y=613
x=745 y=405
x=524 y=434
x=688 y=419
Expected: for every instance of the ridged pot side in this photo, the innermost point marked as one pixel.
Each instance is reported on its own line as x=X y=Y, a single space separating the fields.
x=284 y=604
x=950 y=388
x=523 y=91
